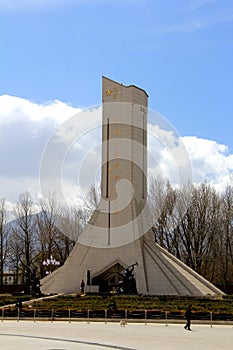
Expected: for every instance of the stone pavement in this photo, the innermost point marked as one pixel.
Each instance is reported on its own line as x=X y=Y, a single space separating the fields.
x=59 y=335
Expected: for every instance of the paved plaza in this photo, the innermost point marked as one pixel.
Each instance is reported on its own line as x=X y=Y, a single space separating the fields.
x=43 y=335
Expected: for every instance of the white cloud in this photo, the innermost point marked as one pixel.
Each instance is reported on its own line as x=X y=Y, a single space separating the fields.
x=14 y=108
x=168 y=157
x=26 y=127
x=210 y=161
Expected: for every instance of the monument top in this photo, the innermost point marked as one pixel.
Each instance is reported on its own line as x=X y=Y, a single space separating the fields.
x=113 y=91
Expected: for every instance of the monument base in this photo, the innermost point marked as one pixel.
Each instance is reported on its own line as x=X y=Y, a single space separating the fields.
x=158 y=272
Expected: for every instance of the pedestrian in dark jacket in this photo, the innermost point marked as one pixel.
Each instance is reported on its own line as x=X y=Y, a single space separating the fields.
x=188 y=316
x=82 y=287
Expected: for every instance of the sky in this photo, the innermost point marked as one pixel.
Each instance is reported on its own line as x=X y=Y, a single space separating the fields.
x=54 y=52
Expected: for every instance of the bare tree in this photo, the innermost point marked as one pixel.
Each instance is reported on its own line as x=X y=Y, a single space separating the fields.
x=189 y=225
x=15 y=249
x=92 y=200
x=227 y=234
x=46 y=221
x=198 y=226
x=72 y=222
x=194 y=223
x=162 y=202
x=25 y=235
x=3 y=237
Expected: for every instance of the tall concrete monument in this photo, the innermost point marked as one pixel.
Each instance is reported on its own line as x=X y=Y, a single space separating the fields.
x=119 y=233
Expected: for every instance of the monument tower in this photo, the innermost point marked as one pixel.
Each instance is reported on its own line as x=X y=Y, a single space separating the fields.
x=119 y=232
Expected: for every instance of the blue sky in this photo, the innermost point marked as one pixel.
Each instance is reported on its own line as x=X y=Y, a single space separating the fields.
x=179 y=51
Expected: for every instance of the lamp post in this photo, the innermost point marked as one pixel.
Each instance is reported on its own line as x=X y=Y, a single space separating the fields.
x=50 y=263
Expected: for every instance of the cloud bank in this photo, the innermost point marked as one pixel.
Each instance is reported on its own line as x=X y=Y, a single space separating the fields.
x=26 y=127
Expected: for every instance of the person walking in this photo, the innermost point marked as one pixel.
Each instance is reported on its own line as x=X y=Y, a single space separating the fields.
x=188 y=316
x=82 y=287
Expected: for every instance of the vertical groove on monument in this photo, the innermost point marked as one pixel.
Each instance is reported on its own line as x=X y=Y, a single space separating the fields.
x=119 y=232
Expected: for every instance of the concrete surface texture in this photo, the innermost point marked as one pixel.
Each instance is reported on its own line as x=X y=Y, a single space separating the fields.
x=96 y=335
